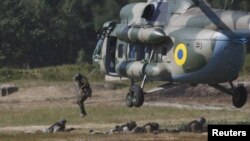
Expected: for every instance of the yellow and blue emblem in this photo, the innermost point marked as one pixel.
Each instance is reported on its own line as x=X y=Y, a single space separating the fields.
x=180 y=54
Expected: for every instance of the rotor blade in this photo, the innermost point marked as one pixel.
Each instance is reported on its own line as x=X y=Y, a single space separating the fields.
x=215 y=19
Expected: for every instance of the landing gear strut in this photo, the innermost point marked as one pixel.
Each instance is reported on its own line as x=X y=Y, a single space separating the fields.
x=238 y=93
x=135 y=96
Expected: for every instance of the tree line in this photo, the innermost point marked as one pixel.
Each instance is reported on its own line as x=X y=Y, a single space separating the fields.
x=37 y=33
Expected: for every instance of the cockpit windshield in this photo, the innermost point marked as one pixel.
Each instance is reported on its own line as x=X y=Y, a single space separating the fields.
x=238 y=5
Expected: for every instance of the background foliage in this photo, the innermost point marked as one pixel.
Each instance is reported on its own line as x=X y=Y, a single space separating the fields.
x=37 y=33
x=40 y=33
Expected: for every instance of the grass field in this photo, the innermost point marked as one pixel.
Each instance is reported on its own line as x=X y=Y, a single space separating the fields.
x=110 y=114
x=105 y=117
x=117 y=137
x=53 y=73
x=38 y=104
x=66 y=72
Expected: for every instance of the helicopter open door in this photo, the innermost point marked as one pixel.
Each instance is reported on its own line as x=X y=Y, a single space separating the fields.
x=110 y=61
x=116 y=52
x=104 y=56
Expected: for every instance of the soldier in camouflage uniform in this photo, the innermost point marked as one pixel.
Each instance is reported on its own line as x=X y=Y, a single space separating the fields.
x=125 y=128
x=195 y=126
x=151 y=127
x=56 y=127
x=82 y=90
x=129 y=126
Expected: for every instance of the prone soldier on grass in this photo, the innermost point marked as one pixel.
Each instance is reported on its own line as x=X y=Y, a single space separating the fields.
x=56 y=127
x=150 y=127
x=195 y=126
x=125 y=128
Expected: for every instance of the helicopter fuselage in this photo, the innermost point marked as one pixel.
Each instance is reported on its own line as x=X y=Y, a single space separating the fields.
x=164 y=42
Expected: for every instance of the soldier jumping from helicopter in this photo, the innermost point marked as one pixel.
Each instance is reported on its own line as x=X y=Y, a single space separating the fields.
x=82 y=90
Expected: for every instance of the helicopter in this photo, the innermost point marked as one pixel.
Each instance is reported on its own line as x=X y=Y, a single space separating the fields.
x=175 y=41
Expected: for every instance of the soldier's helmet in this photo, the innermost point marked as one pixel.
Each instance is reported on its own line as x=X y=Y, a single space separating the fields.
x=202 y=120
x=78 y=77
x=155 y=125
x=62 y=121
x=131 y=125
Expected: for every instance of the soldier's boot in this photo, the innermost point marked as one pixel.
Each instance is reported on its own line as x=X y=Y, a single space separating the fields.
x=83 y=112
x=83 y=115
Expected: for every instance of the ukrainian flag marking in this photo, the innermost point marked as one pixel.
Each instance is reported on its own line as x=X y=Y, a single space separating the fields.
x=180 y=54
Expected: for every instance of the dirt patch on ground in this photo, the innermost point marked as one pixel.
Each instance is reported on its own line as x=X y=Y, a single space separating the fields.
x=187 y=92
x=115 y=94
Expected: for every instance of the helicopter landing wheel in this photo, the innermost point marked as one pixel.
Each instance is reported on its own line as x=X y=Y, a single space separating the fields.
x=129 y=101
x=135 y=97
x=239 y=97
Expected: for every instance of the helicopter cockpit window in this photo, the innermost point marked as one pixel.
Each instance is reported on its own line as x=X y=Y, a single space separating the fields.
x=148 y=12
x=98 y=49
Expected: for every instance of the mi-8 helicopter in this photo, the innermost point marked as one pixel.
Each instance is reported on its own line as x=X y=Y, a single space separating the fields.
x=184 y=41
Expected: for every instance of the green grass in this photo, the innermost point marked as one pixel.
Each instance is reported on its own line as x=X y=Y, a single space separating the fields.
x=54 y=73
x=108 y=114
x=66 y=72
x=246 y=68
x=116 y=137
x=112 y=115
